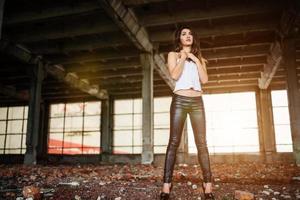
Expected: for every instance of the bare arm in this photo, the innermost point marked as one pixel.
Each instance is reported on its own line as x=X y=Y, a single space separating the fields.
x=175 y=68
x=202 y=72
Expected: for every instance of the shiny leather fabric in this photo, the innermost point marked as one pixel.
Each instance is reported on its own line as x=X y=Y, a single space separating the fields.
x=180 y=107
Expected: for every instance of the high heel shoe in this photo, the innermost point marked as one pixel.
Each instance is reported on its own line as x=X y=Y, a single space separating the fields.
x=208 y=196
x=165 y=195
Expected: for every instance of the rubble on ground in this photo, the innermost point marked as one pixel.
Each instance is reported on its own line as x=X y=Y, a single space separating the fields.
x=125 y=181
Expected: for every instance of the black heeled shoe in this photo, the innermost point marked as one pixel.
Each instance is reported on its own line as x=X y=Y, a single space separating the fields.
x=165 y=195
x=208 y=196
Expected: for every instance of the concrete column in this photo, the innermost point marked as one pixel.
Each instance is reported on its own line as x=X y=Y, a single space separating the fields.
x=42 y=145
x=148 y=112
x=34 y=114
x=293 y=91
x=1 y=15
x=106 y=131
x=266 y=124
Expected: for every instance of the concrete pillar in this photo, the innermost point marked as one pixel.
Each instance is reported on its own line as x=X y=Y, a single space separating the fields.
x=1 y=15
x=34 y=114
x=293 y=91
x=106 y=130
x=42 y=145
x=266 y=124
x=148 y=112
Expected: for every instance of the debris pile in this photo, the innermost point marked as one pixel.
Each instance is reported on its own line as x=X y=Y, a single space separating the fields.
x=244 y=181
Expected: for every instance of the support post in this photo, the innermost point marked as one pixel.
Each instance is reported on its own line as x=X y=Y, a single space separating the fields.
x=147 y=93
x=106 y=133
x=1 y=16
x=266 y=123
x=42 y=147
x=34 y=114
x=293 y=91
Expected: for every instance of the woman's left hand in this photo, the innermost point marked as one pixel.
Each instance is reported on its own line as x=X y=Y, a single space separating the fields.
x=193 y=57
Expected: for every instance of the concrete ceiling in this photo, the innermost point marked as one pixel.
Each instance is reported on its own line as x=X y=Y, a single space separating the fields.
x=90 y=39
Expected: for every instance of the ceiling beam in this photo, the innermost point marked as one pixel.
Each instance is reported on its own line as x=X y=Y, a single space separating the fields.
x=234 y=83
x=111 y=73
x=111 y=89
x=160 y=84
x=190 y=15
x=10 y=91
x=102 y=81
x=126 y=20
x=119 y=39
x=167 y=35
x=249 y=51
x=140 y=2
x=16 y=76
x=105 y=40
x=224 y=77
x=132 y=76
x=62 y=92
x=122 y=78
x=17 y=51
x=231 y=52
x=61 y=29
x=17 y=82
x=77 y=97
x=94 y=56
x=53 y=31
x=238 y=88
x=74 y=95
x=56 y=71
x=77 y=7
x=135 y=63
x=100 y=66
x=74 y=81
x=273 y=61
x=53 y=87
x=136 y=83
x=211 y=90
x=238 y=62
x=212 y=78
x=209 y=45
x=236 y=70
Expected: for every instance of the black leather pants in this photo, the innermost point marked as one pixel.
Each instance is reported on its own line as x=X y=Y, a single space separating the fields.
x=180 y=107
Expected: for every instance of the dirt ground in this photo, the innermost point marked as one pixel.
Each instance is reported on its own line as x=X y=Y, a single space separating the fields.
x=143 y=182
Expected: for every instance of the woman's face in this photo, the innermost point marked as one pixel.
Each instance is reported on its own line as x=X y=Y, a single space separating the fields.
x=186 y=37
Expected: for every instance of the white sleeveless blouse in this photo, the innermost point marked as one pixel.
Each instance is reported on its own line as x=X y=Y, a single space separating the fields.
x=189 y=78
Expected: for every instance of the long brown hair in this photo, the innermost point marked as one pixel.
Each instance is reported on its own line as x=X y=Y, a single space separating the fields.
x=195 y=48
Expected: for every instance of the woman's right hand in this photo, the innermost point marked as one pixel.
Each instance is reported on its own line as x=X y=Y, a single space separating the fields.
x=183 y=55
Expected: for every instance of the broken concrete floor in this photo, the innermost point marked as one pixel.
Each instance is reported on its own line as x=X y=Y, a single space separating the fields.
x=122 y=181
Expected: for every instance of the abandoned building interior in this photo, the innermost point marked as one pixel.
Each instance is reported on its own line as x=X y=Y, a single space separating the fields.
x=85 y=95
x=87 y=81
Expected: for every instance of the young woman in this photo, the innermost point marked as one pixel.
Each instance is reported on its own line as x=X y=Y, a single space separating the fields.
x=188 y=68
